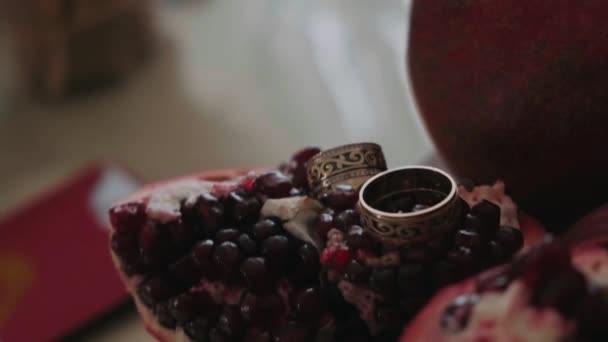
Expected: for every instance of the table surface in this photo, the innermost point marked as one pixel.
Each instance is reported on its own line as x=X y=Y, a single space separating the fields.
x=239 y=98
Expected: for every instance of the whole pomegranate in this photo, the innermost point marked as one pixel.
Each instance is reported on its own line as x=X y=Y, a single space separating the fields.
x=516 y=90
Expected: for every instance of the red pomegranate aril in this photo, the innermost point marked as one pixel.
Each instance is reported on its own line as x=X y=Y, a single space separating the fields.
x=510 y=239
x=265 y=228
x=346 y=219
x=357 y=237
x=293 y=331
x=411 y=279
x=154 y=245
x=389 y=317
x=341 y=197
x=456 y=315
x=323 y=224
x=497 y=253
x=154 y=290
x=182 y=234
x=263 y=311
x=247 y=245
x=302 y=156
x=242 y=209
x=276 y=248
x=124 y=245
x=182 y=307
x=591 y=316
x=231 y=322
x=197 y=329
x=227 y=256
x=310 y=306
x=336 y=258
x=307 y=265
x=464 y=257
x=563 y=292
x=129 y=217
x=256 y=275
x=274 y=184
x=383 y=280
x=356 y=272
x=161 y=311
x=211 y=211
x=203 y=251
x=185 y=270
x=488 y=213
x=467 y=238
x=227 y=234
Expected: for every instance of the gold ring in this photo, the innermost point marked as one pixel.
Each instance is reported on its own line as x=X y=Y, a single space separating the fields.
x=349 y=164
x=387 y=204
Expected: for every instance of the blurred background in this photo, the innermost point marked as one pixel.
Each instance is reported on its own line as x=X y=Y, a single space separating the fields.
x=172 y=87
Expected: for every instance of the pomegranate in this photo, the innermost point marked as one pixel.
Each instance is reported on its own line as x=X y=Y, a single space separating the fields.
x=514 y=89
x=555 y=291
x=248 y=256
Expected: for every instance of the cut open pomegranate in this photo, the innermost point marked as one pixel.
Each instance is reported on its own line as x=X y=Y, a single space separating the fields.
x=555 y=291
x=248 y=256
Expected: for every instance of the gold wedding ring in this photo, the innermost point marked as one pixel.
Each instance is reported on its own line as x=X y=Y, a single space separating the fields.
x=394 y=227
x=349 y=164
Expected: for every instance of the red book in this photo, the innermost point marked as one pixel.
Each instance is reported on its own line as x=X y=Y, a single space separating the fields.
x=56 y=273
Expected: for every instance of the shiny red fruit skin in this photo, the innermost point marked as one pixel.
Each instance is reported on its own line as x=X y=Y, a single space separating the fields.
x=515 y=90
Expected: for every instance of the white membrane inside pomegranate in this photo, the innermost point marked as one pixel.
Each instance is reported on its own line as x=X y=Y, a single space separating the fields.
x=551 y=293
x=254 y=258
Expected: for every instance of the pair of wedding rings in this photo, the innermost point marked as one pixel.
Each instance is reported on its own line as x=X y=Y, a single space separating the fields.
x=387 y=197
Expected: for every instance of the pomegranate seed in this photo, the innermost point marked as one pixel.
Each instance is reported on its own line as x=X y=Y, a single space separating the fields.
x=346 y=219
x=228 y=234
x=274 y=185
x=324 y=223
x=197 y=329
x=262 y=310
x=153 y=244
x=242 y=209
x=247 y=245
x=310 y=306
x=304 y=155
x=510 y=239
x=182 y=234
x=182 y=307
x=307 y=266
x=488 y=213
x=185 y=270
x=336 y=258
x=356 y=272
x=467 y=238
x=493 y=280
x=124 y=246
x=256 y=275
x=341 y=197
x=456 y=315
x=357 y=238
x=227 y=256
x=161 y=311
x=231 y=322
x=210 y=211
x=128 y=217
x=464 y=257
x=153 y=290
x=276 y=248
x=266 y=228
